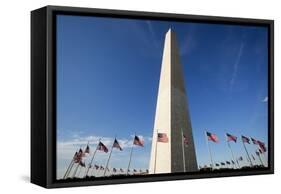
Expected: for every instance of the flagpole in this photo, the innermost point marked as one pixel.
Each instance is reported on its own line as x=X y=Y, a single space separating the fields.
x=75 y=170
x=247 y=153
x=264 y=158
x=229 y=146
x=80 y=169
x=74 y=173
x=260 y=159
x=67 y=175
x=87 y=171
x=183 y=151
x=154 y=170
x=68 y=168
x=71 y=166
x=108 y=158
x=231 y=152
x=131 y=155
x=237 y=163
x=207 y=142
x=253 y=159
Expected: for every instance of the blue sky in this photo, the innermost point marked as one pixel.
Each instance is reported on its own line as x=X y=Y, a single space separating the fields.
x=108 y=74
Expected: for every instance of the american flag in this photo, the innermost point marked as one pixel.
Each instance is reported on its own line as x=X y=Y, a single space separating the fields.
x=162 y=137
x=81 y=163
x=262 y=146
x=185 y=140
x=231 y=137
x=245 y=139
x=102 y=147
x=87 y=150
x=97 y=167
x=80 y=153
x=254 y=141
x=212 y=137
x=78 y=156
x=117 y=145
x=138 y=141
x=75 y=157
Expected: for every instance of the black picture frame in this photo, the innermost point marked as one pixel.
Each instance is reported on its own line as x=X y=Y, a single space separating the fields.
x=43 y=94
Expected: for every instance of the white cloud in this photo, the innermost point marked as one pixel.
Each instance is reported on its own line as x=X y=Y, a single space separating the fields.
x=66 y=149
x=265 y=99
x=93 y=140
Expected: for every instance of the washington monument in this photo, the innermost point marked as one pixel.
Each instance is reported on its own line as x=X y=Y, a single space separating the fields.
x=172 y=143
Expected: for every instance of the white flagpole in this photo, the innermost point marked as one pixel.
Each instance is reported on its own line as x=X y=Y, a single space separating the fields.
x=131 y=155
x=75 y=171
x=237 y=163
x=69 y=167
x=80 y=169
x=73 y=163
x=264 y=159
x=229 y=146
x=210 y=153
x=66 y=176
x=90 y=164
x=155 y=151
x=247 y=153
x=231 y=153
x=260 y=159
x=108 y=158
x=183 y=150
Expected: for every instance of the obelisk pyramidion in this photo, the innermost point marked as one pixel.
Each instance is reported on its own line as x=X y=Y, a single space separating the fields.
x=172 y=117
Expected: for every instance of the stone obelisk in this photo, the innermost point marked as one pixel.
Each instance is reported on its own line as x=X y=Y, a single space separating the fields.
x=172 y=117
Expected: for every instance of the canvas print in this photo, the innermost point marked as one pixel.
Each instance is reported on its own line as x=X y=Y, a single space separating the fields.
x=139 y=97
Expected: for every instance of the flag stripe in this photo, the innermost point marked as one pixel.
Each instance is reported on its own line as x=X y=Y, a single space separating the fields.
x=212 y=137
